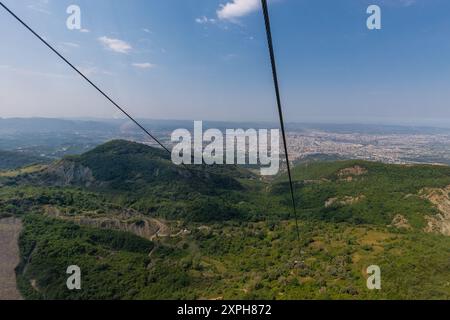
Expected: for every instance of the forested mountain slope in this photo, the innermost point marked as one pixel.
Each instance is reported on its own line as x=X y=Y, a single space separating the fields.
x=140 y=227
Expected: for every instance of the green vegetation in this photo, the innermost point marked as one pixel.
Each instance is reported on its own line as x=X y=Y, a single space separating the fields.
x=223 y=233
x=233 y=261
x=109 y=260
x=14 y=160
x=144 y=178
x=375 y=193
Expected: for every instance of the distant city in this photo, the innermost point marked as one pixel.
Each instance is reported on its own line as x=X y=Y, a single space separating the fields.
x=55 y=138
x=400 y=148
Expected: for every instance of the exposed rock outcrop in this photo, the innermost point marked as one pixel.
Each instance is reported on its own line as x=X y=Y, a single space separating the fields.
x=128 y=221
x=439 y=223
x=345 y=201
x=400 y=222
x=348 y=174
x=66 y=173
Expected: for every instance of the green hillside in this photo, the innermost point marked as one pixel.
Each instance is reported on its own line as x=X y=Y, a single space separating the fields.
x=128 y=166
x=144 y=178
x=12 y=160
x=363 y=192
x=142 y=228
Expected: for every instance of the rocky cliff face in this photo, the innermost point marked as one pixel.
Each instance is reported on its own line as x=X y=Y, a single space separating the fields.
x=127 y=220
x=439 y=223
x=67 y=173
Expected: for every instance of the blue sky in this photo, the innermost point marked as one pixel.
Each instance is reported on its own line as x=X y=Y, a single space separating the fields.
x=207 y=60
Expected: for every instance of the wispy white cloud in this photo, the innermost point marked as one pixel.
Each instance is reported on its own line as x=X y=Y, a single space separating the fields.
x=407 y=3
x=40 y=6
x=92 y=70
x=115 y=45
x=67 y=46
x=398 y=3
x=146 y=30
x=205 y=20
x=237 y=9
x=70 y=44
x=85 y=30
x=144 y=65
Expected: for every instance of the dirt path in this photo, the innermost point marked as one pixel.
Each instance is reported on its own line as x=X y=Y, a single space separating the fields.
x=162 y=229
x=9 y=258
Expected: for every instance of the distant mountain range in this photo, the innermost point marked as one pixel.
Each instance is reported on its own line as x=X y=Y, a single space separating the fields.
x=45 y=125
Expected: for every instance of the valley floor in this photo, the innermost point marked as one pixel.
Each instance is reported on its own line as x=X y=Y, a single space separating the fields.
x=9 y=258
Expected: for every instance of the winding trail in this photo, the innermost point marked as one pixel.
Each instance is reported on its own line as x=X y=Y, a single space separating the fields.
x=9 y=258
x=162 y=229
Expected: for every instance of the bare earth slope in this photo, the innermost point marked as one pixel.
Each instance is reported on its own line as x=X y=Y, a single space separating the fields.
x=441 y=199
x=9 y=258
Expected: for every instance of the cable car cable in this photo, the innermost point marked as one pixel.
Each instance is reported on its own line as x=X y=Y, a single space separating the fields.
x=85 y=78
x=280 y=109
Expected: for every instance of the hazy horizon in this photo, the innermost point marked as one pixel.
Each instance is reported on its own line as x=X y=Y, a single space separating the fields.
x=432 y=123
